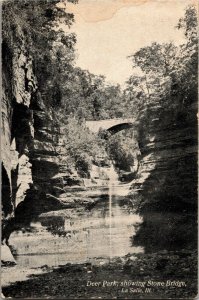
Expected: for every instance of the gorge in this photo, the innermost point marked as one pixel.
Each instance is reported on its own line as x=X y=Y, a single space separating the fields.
x=132 y=190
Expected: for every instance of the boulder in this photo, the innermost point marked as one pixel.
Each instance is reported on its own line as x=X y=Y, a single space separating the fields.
x=6 y=256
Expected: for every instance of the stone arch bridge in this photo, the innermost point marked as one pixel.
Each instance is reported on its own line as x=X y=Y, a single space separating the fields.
x=111 y=125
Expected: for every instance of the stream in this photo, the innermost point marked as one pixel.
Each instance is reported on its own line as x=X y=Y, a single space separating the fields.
x=77 y=236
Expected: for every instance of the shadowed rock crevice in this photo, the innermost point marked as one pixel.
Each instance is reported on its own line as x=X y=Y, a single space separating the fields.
x=6 y=192
x=21 y=127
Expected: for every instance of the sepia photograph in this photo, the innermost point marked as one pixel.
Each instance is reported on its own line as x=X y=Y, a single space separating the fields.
x=99 y=149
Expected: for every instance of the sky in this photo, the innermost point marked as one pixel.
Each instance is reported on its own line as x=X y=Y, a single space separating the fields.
x=110 y=30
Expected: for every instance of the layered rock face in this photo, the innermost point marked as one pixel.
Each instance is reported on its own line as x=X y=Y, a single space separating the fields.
x=166 y=182
x=31 y=141
x=17 y=125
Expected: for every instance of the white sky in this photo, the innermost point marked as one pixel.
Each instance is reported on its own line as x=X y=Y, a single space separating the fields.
x=110 y=30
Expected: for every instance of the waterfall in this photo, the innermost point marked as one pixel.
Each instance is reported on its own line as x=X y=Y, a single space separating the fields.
x=105 y=182
x=110 y=217
x=113 y=179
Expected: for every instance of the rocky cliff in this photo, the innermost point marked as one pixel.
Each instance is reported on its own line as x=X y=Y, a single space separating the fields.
x=19 y=84
x=166 y=182
x=31 y=140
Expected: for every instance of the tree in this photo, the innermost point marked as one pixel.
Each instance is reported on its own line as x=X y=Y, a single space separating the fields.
x=168 y=77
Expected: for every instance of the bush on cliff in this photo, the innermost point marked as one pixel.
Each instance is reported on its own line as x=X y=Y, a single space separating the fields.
x=81 y=146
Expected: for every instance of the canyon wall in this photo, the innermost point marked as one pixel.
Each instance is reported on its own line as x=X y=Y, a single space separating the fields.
x=18 y=85
x=165 y=189
x=31 y=141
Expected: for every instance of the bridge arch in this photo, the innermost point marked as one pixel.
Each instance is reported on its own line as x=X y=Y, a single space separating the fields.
x=119 y=127
x=111 y=126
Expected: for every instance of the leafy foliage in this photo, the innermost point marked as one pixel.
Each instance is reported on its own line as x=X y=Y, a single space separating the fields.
x=168 y=73
x=123 y=150
x=82 y=146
